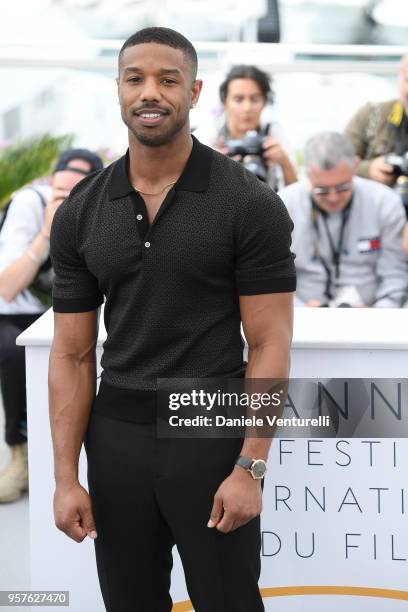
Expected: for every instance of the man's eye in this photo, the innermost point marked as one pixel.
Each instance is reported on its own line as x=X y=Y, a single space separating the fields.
x=169 y=81
x=133 y=79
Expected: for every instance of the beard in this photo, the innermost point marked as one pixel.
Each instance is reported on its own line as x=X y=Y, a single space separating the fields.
x=149 y=137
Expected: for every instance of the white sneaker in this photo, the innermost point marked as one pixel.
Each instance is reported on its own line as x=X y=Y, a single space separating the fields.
x=14 y=477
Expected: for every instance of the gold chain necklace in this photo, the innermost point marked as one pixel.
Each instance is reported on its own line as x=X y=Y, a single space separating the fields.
x=154 y=194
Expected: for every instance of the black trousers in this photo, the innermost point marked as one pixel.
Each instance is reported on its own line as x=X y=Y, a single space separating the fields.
x=12 y=376
x=149 y=493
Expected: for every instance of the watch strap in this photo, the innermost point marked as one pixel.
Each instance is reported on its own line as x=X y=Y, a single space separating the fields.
x=244 y=462
x=256 y=467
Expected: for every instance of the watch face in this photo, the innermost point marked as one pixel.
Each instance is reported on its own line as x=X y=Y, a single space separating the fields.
x=258 y=468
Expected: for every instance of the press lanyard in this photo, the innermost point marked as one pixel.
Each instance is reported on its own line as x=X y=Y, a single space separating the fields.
x=335 y=251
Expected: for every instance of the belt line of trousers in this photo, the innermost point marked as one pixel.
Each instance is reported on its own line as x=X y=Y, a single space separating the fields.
x=149 y=494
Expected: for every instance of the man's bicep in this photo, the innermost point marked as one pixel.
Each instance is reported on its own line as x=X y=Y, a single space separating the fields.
x=267 y=319
x=76 y=334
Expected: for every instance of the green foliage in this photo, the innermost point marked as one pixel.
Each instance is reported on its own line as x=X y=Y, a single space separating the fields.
x=22 y=163
x=45 y=298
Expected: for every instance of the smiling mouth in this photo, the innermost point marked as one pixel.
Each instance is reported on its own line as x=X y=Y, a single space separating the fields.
x=150 y=117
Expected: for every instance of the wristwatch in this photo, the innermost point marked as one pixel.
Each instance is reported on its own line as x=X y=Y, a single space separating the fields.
x=256 y=467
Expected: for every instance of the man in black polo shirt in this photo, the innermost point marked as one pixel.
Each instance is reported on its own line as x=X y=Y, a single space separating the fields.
x=184 y=243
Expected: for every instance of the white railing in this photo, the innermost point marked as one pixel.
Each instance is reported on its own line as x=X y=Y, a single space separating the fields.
x=86 y=55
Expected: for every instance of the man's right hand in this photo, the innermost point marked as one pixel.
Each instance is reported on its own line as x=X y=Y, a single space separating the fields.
x=221 y=148
x=381 y=172
x=73 y=512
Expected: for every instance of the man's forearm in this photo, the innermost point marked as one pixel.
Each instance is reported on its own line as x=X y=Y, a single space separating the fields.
x=20 y=273
x=364 y=168
x=289 y=172
x=72 y=387
x=266 y=362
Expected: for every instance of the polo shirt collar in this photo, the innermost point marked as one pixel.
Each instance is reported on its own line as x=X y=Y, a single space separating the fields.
x=195 y=176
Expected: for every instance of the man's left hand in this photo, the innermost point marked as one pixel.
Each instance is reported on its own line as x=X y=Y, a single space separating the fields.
x=237 y=500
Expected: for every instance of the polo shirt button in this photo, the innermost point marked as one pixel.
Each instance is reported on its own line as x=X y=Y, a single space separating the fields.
x=139 y=217
x=147 y=244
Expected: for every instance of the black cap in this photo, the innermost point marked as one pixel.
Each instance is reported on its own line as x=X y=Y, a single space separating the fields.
x=66 y=156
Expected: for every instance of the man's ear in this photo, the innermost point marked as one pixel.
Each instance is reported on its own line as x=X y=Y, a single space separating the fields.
x=196 y=91
x=117 y=86
x=357 y=161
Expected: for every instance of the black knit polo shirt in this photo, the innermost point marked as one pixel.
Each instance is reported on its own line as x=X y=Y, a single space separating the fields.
x=172 y=289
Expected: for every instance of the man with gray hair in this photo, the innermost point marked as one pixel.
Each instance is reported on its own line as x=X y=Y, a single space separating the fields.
x=348 y=231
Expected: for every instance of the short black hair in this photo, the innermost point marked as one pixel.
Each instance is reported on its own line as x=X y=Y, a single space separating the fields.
x=163 y=36
x=244 y=71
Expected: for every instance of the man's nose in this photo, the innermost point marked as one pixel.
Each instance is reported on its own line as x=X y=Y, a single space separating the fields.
x=246 y=105
x=332 y=196
x=150 y=91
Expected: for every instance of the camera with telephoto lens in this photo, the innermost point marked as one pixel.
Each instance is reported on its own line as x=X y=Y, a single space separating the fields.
x=250 y=149
x=399 y=165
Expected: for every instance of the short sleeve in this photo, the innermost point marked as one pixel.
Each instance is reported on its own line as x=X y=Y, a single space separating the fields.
x=264 y=261
x=75 y=288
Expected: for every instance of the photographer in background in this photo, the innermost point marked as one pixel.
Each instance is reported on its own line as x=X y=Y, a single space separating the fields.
x=379 y=133
x=25 y=287
x=348 y=231
x=241 y=134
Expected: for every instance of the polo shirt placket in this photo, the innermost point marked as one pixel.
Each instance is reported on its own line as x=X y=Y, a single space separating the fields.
x=191 y=179
x=143 y=227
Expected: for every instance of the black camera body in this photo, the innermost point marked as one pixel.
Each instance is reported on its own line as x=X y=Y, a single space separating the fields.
x=399 y=164
x=251 y=151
